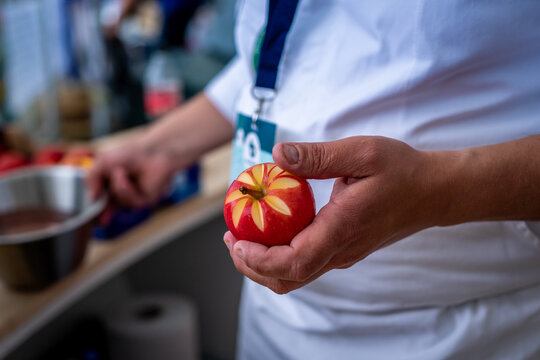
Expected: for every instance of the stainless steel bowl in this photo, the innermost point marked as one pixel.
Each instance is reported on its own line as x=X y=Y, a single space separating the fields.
x=35 y=259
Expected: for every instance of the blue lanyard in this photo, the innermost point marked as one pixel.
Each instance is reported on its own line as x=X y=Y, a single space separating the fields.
x=280 y=18
x=279 y=22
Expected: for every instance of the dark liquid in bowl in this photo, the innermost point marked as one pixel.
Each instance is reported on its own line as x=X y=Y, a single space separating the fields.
x=27 y=220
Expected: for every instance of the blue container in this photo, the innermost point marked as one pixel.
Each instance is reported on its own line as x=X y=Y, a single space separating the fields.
x=184 y=185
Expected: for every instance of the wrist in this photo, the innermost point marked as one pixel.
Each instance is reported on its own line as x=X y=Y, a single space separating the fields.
x=445 y=182
x=149 y=142
x=161 y=141
x=471 y=186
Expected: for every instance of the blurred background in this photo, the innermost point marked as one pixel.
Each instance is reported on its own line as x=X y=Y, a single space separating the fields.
x=74 y=73
x=78 y=69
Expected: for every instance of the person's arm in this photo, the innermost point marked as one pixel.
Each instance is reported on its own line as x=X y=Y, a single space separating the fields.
x=203 y=123
x=386 y=190
x=497 y=182
x=189 y=131
x=137 y=171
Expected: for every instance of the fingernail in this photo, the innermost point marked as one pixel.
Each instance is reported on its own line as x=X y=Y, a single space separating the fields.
x=291 y=154
x=239 y=252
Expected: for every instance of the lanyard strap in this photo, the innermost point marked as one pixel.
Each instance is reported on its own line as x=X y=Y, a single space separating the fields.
x=280 y=18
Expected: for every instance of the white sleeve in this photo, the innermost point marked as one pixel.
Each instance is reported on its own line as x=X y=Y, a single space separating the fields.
x=224 y=90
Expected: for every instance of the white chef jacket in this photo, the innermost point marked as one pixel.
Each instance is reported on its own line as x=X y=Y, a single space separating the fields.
x=444 y=74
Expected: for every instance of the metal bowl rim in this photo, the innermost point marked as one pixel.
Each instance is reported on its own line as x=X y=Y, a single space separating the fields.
x=70 y=224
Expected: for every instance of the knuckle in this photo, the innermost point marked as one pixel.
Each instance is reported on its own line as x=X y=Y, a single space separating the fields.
x=267 y=264
x=258 y=267
x=261 y=266
x=300 y=271
x=371 y=152
x=319 y=157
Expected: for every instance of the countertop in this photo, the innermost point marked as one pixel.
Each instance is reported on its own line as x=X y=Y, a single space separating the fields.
x=22 y=314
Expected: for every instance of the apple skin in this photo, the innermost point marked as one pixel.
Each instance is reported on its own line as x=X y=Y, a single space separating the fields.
x=284 y=208
x=48 y=155
x=11 y=160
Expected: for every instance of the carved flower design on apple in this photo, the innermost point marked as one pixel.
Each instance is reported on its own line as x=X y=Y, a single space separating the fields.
x=268 y=205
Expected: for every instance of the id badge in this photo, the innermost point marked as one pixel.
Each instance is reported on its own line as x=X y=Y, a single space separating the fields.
x=252 y=144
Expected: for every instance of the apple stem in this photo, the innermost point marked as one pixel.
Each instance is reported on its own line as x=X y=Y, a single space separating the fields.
x=257 y=194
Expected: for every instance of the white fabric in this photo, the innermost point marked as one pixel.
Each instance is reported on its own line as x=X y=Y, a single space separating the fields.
x=443 y=74
x=225 y=89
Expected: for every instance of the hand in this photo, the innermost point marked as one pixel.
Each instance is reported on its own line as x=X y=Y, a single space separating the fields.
x=137 y=171
x=132 y=173
x=385 y=190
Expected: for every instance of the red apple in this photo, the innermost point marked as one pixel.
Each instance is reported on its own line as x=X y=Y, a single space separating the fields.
x=10 y=160
x=268 y=205
x=49 y=155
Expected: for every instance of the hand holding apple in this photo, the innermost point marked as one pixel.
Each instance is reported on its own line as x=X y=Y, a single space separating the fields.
x=385 y=190
x=132 y=173
x=268 y=205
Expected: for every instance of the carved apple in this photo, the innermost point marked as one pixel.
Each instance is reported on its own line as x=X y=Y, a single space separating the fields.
x=268 y=205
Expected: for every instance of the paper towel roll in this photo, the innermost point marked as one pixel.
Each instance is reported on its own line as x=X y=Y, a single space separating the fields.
x=153 y=327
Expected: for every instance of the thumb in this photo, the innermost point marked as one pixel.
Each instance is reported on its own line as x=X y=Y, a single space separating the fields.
x=321 y=160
